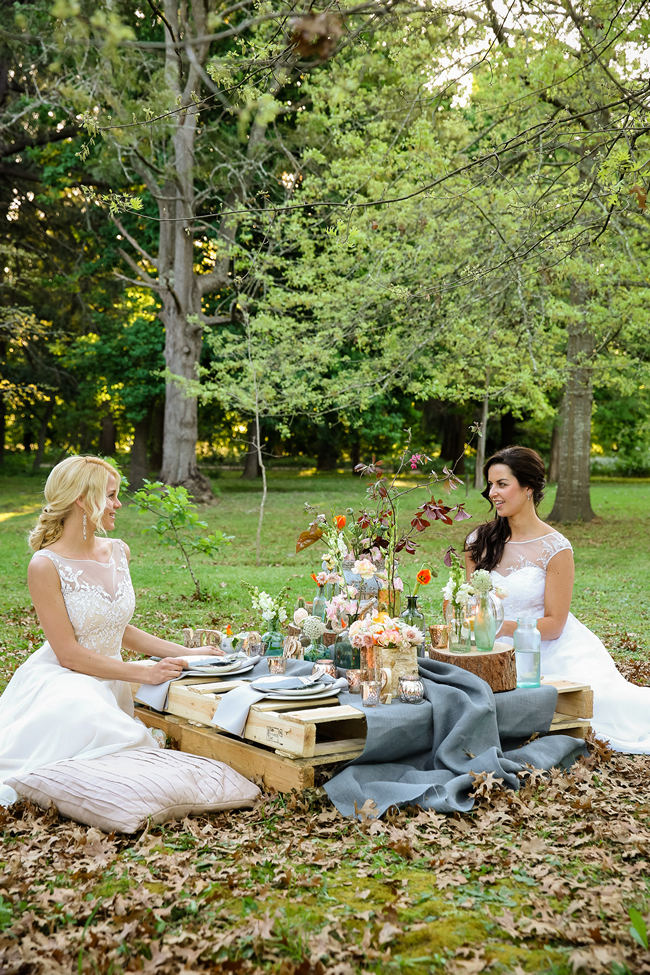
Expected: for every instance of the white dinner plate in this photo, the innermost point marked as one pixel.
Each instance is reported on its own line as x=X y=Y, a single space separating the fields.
x=212 y=671
x=287 y=696
x=318 y=690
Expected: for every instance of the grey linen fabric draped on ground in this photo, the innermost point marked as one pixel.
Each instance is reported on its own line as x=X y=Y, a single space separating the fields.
x=423 y=755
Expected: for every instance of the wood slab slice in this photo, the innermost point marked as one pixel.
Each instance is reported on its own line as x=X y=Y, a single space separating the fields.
x=496 y=666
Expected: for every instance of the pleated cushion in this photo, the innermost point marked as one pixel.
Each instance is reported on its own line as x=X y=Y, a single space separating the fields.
x=120 y=792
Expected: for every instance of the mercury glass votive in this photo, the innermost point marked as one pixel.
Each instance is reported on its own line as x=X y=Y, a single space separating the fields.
x=324 y=667
x=439 y=636
x=411 y=689
x=277 y=665
x=354 y=681
x=370 y=693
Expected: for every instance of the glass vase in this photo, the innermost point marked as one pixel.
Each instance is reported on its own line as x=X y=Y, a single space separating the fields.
x=413 y=617
x=488 y=617
x=460 y=633
x=319 y=605
x=346 y=656
x=316 y=651
x=273 y=643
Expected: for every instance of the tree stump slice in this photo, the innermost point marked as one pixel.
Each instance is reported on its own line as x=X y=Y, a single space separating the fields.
x=496 y=666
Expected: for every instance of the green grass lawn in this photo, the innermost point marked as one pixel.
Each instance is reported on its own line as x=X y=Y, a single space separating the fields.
x=612 y=564
x=540 y=881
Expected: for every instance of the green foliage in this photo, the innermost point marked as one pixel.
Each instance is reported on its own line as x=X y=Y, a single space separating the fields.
x=178 y=525
x=638 y=928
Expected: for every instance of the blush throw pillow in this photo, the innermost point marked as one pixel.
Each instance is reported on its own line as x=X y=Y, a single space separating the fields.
x=120 y=792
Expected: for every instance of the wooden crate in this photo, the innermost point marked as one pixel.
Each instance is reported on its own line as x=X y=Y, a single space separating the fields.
x=575 y=706
x=286 y=742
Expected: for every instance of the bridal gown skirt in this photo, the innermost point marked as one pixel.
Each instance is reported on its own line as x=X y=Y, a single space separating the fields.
x=621 y=709
x=48 y=712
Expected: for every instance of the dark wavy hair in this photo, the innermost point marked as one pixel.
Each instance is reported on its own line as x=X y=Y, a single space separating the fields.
x=486 y=548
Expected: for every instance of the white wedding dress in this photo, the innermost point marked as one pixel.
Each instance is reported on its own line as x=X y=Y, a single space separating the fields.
x=621 y=710
x=48 y=712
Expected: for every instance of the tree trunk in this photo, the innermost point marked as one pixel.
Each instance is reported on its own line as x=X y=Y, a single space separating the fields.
x=572 y=501
x=452 y=449
x=252 y=467
x=181 y=298
x=327 y=453
x=156 y=431
x=508 y=430
x=138 y=465
x=107 y=436
x=554 y=461
x=3 y=429
x=42 y=437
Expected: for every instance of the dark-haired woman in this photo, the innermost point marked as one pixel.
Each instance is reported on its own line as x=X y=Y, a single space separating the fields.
x=534 y=564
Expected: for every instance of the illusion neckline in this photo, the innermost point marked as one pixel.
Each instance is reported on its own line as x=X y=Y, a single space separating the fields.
x=68 y=558
x=525 y=541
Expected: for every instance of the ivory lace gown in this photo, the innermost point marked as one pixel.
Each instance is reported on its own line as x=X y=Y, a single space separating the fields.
x=48 y=712
x=621 y=710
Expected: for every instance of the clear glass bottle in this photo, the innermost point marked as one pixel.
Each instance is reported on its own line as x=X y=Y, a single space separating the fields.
x=527 y=642
x=319 y=606
x=413 y=617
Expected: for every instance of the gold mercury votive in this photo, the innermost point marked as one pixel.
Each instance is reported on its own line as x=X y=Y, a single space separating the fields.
x=354 y=681
x=439 y=636
x=277 y=665
x=370 y=693
x=324 y=667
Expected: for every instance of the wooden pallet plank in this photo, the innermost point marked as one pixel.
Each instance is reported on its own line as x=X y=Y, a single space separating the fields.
x=281 y=774
x=573 y=698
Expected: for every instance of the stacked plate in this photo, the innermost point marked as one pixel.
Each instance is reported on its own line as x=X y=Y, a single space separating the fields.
x=310 y=692
x=228 y=666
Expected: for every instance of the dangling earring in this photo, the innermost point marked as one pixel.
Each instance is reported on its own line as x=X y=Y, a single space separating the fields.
x=84 y=523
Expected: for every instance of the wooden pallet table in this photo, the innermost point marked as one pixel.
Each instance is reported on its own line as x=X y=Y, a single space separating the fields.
x=284 y=744
x=574 y=708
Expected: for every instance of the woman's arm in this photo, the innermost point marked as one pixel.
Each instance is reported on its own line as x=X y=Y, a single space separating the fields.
x=155 y=646
x=45 y=590
x=560 y=573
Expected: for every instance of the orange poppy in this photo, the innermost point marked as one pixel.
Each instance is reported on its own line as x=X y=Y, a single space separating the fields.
x=339 y=521
x=424 y=577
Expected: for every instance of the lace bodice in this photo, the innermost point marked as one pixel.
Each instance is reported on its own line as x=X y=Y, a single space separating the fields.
x=533 y=552
x=522 y=573
x=98 y=596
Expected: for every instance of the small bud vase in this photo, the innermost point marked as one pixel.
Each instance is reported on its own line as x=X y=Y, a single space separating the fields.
x=345 y=655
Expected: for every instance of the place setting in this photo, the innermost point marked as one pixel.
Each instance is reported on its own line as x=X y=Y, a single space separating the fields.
x=232 y=710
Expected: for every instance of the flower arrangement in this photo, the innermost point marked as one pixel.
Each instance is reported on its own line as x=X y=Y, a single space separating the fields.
x=387 y=643
x=313 y=628
x=271 y=609
x=423 y=578
x=382 y=630
x=373 y=534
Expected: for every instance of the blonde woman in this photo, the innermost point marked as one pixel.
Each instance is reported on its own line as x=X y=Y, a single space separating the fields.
x=72 y=697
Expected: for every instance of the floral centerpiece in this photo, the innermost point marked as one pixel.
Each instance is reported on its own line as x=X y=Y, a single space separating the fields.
x=472 y=607
x=313 y=628
x=373 y=533
x=387 y=642
x=274 y=615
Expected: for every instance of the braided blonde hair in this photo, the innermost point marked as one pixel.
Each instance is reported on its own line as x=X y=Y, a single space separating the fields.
x=74 y=477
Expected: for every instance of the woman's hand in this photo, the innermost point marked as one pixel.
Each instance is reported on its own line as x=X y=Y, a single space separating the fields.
x=208 y=651
x=169 y=668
